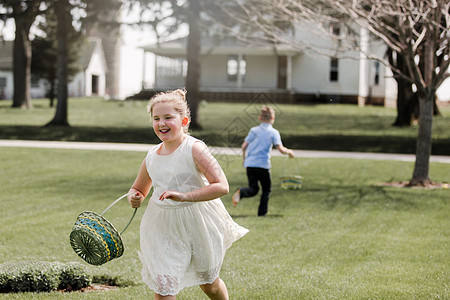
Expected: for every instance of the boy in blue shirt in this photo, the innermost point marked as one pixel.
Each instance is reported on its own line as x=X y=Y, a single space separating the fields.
x=256 y=153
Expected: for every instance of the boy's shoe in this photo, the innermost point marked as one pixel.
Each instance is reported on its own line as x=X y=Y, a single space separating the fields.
x=236 y=197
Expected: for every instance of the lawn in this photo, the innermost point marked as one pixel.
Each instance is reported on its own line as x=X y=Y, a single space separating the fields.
x=342 y=236
x=310 y=127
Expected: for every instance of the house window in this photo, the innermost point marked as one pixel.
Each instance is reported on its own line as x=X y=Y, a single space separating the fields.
x=376 y=78
x=171 y=67
x=334 y=69
x=2 y=82
x=335 y=29
x=236 y=65
x=232 y=68
x=2 y=87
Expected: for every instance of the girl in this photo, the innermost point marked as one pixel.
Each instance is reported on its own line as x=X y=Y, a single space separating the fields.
x=185 y=229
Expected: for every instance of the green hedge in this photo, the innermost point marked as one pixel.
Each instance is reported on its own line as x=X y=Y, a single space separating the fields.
x=42 y=277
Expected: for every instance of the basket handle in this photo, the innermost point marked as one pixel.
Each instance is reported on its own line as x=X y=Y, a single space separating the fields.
x=297 y=164
x=112 y=204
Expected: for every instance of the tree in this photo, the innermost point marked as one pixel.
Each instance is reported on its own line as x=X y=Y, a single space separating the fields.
x=65 y=29
x=45 y=52
x=62 y=11
x=169 y=16
x=24 y=14
x=166 y=18
x=193 y=59
x=416 y=30
x=407 y=102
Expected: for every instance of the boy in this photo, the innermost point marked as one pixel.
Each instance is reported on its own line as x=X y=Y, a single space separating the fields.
x=256 y=153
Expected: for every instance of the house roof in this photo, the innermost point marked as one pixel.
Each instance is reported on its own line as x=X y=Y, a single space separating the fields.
x=6 y=55
x=220 y=46
x=89 y=50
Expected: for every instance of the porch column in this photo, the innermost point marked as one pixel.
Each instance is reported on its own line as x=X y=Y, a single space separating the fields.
x=289 y=72
x=143 y=69
x=239 y=75
x=155 y=78
x=363 y=68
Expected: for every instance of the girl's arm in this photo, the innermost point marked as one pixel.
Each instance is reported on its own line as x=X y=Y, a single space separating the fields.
x=208 y=166
x=140 y=187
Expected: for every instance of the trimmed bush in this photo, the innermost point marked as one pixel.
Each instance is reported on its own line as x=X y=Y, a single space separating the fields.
x=74 y=277
x=42 y=277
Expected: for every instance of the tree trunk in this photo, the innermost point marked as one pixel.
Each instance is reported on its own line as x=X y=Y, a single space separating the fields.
x=427 y=94
x=22 y=66
x=52 y=93
x=423 y=144
x=193 y=59
x=436 y=111
x=405 y=103
x=63 y=17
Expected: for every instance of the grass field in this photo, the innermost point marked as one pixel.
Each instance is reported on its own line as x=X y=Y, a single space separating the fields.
x=310 y=127
x=343 y=236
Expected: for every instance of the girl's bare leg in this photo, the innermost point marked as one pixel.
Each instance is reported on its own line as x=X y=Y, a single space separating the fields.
x=160 y=297
x=216 y=290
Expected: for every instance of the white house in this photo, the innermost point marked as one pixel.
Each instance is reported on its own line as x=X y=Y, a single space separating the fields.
x=91 y=81
x=232 y=70
x=38 y=86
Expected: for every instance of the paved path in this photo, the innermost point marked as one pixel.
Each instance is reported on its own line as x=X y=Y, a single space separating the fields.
x=215 y=150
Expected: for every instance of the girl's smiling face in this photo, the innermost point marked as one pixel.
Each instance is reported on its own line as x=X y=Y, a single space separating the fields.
x=167 y=122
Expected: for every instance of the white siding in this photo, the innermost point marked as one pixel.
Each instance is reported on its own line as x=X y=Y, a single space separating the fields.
x=311 y=75
x=7 y=91
x=261 y=72
x=76 y=86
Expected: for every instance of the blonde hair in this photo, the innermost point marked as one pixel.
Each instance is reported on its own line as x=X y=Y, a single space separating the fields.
x=177 y=98
x=267 y=114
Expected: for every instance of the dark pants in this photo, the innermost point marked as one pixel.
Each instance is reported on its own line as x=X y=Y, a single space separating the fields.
x=263 y=176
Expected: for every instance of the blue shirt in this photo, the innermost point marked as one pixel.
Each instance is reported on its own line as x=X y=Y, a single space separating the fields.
x=261 y=140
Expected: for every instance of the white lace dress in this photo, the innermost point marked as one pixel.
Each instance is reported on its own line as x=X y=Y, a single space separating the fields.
x=182 y=243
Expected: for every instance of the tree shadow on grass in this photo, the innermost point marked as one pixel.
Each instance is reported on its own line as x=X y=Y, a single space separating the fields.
x=79 y=134
x=335 y=142
x=354 y=197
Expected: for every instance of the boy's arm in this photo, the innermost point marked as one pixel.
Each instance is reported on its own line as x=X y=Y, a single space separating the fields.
x=284 y=150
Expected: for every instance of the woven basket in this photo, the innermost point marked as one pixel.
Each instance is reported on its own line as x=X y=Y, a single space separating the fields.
x=291 y=181
x=95 y=239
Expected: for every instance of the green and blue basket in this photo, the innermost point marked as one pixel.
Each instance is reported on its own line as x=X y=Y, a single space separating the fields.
x=291 y=179
x=95 y=239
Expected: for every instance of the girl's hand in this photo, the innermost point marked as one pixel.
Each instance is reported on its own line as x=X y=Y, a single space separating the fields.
x=173 y=195
x=135 y=199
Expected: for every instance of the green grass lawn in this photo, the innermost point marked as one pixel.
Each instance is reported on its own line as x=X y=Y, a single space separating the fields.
x=342 y=236
x=310 y=127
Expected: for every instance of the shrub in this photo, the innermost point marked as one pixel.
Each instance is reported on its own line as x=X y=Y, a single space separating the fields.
x=74 y=277
x=42 y=277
